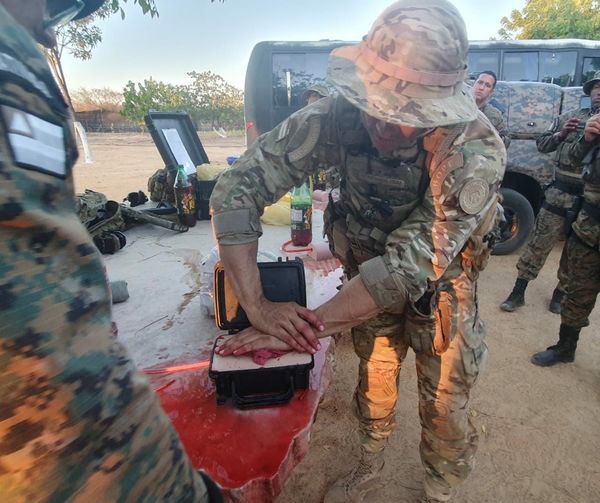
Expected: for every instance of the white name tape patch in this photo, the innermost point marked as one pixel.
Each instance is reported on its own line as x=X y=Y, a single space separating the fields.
x=36 y=143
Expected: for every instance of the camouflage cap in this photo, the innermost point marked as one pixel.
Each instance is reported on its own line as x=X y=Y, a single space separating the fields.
x=587 y=86
x=410 y=68
x=319 y=89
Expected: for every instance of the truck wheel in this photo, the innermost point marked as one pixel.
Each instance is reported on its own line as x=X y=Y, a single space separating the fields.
x=519 y=224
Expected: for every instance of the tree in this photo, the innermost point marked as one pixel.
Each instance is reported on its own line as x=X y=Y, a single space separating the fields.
x=105 y=99
x=209 y=99
x=547 y=19
x=139 y=98
x=80 y=37
x=214 y=100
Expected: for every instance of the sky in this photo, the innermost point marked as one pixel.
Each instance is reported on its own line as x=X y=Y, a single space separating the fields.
x=197 y=35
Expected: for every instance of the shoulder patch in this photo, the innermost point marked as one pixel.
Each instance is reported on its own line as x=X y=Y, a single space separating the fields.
x=473 y=196
x=310 y=141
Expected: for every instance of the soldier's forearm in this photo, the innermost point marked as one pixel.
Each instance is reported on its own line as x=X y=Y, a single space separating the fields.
x=548 y=142
x=351 y=306
x=239 y=262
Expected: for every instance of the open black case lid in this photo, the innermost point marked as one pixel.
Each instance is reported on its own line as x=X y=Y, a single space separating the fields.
x=176 y=139
x=282 y=281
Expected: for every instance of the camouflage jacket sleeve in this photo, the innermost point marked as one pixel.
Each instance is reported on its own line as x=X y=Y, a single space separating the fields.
x=550 y=140
x=463 y=188
x=276 y=162
x=577 y=150
x=496 y=118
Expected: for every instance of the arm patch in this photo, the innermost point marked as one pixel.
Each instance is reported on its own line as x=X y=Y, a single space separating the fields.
x=313 y=130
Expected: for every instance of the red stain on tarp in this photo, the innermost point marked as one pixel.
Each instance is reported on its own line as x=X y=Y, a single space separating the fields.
x=236 y=447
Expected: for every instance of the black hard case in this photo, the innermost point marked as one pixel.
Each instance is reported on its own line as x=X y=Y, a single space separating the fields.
x=282 y=281
x=156 y=122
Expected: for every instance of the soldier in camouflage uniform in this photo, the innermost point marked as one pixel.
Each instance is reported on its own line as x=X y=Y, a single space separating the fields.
x=483 y=88
x=560 y=199
x=420 y=171
x=78 y=422
x=583 y=244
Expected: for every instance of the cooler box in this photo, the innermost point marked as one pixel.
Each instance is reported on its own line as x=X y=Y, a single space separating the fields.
x=176 y=139
x=239 y=377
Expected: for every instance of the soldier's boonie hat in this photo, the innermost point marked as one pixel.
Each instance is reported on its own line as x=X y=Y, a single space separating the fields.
x=587 y=86
x=319 y=89
x=61 y=11
x=410 y=68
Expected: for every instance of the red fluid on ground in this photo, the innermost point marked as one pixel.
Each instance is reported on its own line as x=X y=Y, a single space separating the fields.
x=233 y=446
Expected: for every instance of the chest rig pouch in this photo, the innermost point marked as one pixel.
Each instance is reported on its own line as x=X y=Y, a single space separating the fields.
x=377 y=193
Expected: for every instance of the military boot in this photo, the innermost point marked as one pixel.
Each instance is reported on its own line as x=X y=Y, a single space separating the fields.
x=353 y=487
x=516 y=298
x=557 y=297
x=562 y=352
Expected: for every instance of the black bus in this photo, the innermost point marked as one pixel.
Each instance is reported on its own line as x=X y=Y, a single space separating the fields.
x=279 y=72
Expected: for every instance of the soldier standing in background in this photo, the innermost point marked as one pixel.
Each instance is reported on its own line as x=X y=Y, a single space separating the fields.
x=483 y=88
x=582 y=246
x=78 y=421
x=420 y=170
x=314 y=93
x=560 y=199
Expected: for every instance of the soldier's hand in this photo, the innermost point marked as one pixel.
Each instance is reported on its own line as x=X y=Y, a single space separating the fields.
x=249 y=340
x=592 y=128
x=570 y=125
x=289 y=322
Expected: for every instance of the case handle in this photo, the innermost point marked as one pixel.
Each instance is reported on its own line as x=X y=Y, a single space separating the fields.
x=262 y=399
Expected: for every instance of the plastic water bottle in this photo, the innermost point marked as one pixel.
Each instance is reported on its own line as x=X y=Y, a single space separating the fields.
x=301 y=216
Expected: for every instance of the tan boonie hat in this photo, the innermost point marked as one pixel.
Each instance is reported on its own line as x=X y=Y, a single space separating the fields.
x=587 y=86
x=410 y=68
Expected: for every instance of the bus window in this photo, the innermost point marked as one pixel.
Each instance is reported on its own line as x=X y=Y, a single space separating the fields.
x=522 y=66
x=481 y=61
x=293 y=73
x=558 y=67
x=590 y=66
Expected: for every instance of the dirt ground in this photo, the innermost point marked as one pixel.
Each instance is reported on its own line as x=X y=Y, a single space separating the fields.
x=539 y=428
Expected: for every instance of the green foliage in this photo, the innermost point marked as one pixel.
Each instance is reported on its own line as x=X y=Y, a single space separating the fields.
x=151 y=95
x=104 y=99
x=214 y=101
x=147 y=6
x=209 y=100
x=548 y=19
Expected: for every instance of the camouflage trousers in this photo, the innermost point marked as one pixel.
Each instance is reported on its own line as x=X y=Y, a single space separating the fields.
x=583 y=284
x=549 y=228
x=448 y=439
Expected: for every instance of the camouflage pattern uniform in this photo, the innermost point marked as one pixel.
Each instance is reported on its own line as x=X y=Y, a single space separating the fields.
x=496 y=118
x=412 y=224
x=582 y=252
x=583 y=245
x=559 y=198
x=78 y=423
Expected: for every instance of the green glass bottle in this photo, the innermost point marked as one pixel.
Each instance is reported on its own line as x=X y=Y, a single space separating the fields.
x=301 y=216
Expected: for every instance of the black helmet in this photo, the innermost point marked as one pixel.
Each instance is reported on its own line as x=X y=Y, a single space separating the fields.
x=63 y=11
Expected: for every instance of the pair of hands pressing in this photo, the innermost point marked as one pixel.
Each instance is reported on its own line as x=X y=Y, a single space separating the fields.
x=283 y=326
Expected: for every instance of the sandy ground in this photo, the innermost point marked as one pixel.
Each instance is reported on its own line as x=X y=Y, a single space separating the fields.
x=539 y=428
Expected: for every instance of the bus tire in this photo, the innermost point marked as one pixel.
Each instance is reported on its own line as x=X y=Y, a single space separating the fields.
x=520 y=221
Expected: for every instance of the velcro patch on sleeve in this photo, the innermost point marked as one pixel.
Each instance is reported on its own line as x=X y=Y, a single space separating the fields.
x=35 y=143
